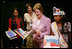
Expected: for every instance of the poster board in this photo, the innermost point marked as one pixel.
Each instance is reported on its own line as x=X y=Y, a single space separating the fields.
x=22 y=33
x=51 y=41
x=11 y=34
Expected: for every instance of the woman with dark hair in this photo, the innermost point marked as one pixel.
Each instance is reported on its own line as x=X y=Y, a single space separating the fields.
x=28 y=18
x=16 y=22
x=60 y=27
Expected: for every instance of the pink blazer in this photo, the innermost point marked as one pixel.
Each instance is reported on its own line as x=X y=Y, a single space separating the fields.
x=44 y=28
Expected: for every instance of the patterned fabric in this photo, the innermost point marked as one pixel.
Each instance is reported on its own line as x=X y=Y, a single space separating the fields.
x=65 y=31
x=29 y=19
x=15 y=23
x=67 y=27
x=57 y=33
x=43 y=27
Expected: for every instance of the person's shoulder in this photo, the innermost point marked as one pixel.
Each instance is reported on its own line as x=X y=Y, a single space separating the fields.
x=33 y=12
x=67 y=23
x=35 y=18
x=26 y=14
x=47 y=18
x=53 y=23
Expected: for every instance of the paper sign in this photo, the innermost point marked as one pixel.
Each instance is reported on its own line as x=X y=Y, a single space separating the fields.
x=51 y=42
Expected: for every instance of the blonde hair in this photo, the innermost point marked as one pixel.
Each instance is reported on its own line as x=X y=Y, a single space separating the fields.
x=38 y=6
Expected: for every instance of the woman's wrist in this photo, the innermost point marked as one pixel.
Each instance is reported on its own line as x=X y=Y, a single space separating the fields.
x=9 y=29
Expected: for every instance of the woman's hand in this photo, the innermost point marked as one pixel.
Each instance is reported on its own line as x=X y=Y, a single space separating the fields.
x=34 y=31
x=9 y=29
x=38 y=32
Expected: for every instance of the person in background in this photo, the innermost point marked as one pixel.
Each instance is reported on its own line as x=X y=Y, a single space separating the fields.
x=41 y=26
x=16 y=22
x=61 y=28
x=28 y=18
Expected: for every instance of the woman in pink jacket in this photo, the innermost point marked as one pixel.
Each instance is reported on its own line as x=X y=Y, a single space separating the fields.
x=41 y=26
